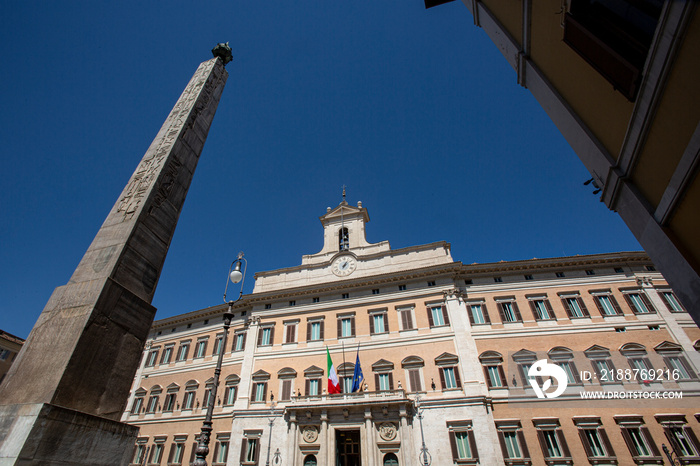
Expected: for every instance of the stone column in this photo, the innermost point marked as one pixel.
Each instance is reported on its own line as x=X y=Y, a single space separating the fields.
x=323 y=437
x=404 y=435
x=293 y=439
x=244 y=386
x=371 y=445
x=68 y=387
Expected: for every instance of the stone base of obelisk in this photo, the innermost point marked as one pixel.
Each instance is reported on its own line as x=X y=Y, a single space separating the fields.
x=45 y=434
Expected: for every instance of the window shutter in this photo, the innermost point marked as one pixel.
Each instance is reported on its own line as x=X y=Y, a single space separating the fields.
x=502 y=441
x=585 y=443
x=453 y=445
x=286 y=390
x=533 y=309
x=306 y=387
x=584 y=309
x=290 y=334
x=650 y=441
x=486 y=375
x=216 y=450
x=500 y=312
x=629 y=442
x=472 y=444
x=376 y=382
x=257 y=450
x=518 y=318
x=630 y=304
x=404 y=319
x=371 y=324
x=272 y=336
x=596 y=300
x=606 y=441
x=574 y=371
x=414 y=380
x=308 y=331
x=243 y=335
x=172 y=453
x=352 y=326
x=543 y=443
x=322 y=323
x=523 y=444
x=615 y=305
x=386 y=323
x=486 y=313
x=548 y=306
x=690 y=435
x=194 y=451
x=563 y=444
x=340 y=327
x=430 y=317
x=470 y=315
x=457 y=379
x=391 y=381
x=260 y=336
x=264 y=391
x=444 y=315
x=504 y=381
x=646 y=302
x=442 y=378
x=244 y=448
x=566 y=307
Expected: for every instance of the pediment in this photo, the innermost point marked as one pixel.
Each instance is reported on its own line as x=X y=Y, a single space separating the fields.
x=633 y=349
x=668 y=347
x=232 y=379
x=560 y=352
x=173 y=387
x=597 y=351
x=491 y=357
x=312 y=371
x=192 y=383
x=446 y=359
x=346 y=211
x=286 y=373
x=383 y=365
x=261 y=374
x=524 y=356
x=412 y=361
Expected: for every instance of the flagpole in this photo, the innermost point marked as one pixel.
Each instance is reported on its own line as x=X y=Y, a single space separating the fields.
x=344 y=368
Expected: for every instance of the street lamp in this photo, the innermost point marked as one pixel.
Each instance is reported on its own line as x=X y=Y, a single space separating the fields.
x=269 y=441
x=234 y=276
x=424 y=455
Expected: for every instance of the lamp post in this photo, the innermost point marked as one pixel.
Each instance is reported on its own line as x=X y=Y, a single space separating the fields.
x=671 y=455
x=235 y=276
x=424 y=455
x=271 y=419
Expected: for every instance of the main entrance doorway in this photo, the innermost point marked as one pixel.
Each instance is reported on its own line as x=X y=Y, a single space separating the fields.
x=348 y=447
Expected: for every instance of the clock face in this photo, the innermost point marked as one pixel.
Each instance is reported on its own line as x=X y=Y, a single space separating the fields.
x=344 y=266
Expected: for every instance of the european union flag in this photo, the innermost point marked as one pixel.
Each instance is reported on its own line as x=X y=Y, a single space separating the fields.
x=357 y=377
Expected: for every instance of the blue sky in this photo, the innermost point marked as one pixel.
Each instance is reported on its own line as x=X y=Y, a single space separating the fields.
x=414 y=110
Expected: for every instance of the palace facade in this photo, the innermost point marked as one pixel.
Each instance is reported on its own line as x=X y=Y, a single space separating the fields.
x=453 y=355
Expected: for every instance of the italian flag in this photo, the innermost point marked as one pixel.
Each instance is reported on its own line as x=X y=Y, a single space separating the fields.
x=333 y=384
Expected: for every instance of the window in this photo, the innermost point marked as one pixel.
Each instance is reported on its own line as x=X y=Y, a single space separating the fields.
x=183 y=351
x=462 y=442
x=402 y=287
x=189 y=396
x=156 y=453
x=286 y=376
x=152 y=357
x=384 y=381
x=208 y=388
x=217 y=344
x=431 y=283
x=314 y=330
x=552 y=441
x=541 y=308
x=528 y=277
x=313 y=387
x=177 y=451
x=639 y=303
x=138 y=402
x=513 y=446
x=524 y=360
x=437 y=315
x=508 y=310
x=638 y=440
x=590 y=272
x=169 y=402
x=250 y=448
x=290 y=332
x=292 y=303
x=346 y=326
x=602 y=365
x=200 y=349
x=671 y=301
x=412 y=366
x=594 y=439
x=574 y=307
x=383 y=375
x=619 y=270
x=345 y=295
x=378 y=322
x=681 y=437
x=315 y=299
x=614 y=38
x=268 y=306
x=406 y=318
x=478 y=315
x=564 y=358
x=606 y=303
x=492 y=363
x=140 y=451
x=239 y=341
x=375 y=291
x=560 y=275
x=675 y=361
x=497 y=279
x=449 y=372
x=266 y=335
x=650 y=268
x=153 y=399
x=259 y=391
x=221 y=451
x=167 y=354
x=343 y=239
x=636 y=355
x=231 y=390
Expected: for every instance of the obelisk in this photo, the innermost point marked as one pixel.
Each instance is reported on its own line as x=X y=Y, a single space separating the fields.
x=61 y=400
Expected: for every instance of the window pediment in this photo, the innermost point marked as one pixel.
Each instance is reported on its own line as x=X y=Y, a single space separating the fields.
x=490 y=357
x=524 y=356
x=559 y=353
x=668 y=347
x=261 y=375
x=383 y=366
x=412 y=361
x=286 y=373
x=446 y=359
x=597 y=352
x=313 y=371
x=633 y=349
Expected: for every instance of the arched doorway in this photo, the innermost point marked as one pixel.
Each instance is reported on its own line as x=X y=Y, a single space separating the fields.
x=390 y=459
x=310 y=460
